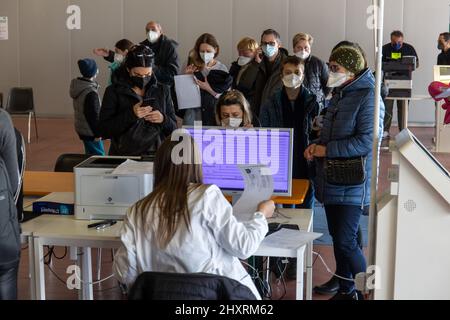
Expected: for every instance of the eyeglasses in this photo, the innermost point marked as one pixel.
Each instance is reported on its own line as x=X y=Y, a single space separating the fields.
x=271 y=43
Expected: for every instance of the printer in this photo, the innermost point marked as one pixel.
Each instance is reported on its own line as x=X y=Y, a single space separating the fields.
x=105 y=187
x=398 y=76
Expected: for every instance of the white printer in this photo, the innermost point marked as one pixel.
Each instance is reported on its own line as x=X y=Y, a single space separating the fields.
x=105 y=187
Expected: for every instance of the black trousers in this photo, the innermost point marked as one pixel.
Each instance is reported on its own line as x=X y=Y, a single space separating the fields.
x=8 y=283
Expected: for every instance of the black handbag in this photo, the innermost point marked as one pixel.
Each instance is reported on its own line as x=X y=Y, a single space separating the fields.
x=139 y=139
x=344 y=171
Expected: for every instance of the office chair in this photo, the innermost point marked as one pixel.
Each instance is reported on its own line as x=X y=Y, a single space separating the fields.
x=187 y=286
x=66 y=162
x=21 y=101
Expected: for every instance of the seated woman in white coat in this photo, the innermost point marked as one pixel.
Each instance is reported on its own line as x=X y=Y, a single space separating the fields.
x=184 y=226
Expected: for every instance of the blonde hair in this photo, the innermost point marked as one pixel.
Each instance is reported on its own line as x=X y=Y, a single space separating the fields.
x=302 y=37
x=234 y=97
x=248 y=43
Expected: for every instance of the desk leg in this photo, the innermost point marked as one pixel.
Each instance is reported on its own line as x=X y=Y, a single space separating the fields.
x=300 y=282
x=39 y=269
x=86 y=275
x=405 y=106
x=31 y=266
x=309 y=270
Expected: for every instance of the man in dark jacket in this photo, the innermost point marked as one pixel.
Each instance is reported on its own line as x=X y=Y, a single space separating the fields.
x=444 y=46
x=86 y=104
x=137 y=112
x=268 y=79
x=294 y=106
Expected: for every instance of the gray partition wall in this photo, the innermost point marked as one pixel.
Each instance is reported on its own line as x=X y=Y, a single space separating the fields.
x=42 y=53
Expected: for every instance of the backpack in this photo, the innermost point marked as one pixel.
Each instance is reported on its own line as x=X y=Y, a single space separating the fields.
x=9 y=225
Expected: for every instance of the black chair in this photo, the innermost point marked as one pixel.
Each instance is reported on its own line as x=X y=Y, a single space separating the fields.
x=66 y=162
x=187 y=286
x=21 y=101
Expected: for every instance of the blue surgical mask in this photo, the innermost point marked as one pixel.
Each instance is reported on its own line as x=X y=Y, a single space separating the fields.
x=269 y=50
x=397 y=46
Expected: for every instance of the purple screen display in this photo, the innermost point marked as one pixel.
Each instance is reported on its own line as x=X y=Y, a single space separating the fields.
x=223 y=149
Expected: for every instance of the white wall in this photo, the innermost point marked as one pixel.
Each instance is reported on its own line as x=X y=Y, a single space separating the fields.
x=42 y=53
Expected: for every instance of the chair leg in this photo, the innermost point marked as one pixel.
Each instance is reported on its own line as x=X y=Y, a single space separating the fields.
x=99 y=263
x=35 y=125
x=29 y=128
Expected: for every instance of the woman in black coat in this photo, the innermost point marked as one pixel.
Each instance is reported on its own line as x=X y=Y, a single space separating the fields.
x=137 y=112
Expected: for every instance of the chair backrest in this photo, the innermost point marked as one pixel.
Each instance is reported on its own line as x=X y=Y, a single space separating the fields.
x=66 y=162
x=187 y=286
x=20 y=100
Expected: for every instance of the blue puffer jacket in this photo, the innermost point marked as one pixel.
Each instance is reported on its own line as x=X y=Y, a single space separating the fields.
x=348 y=132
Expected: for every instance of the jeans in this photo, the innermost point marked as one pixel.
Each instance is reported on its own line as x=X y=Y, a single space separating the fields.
x=94 y=148
x=8 y=284
x=389 y=114
x=343 y=223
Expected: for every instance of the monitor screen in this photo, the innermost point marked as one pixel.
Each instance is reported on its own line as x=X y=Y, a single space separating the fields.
x=223 y=149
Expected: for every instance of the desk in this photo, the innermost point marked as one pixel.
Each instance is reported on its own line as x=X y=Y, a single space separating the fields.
x=38 y=183
x=405 y=106
x=66 y=231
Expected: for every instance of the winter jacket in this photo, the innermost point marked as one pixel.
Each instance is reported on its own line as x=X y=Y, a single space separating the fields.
x=268 y=81
x=86 y=105
x=117 y=115
x=247 y=81
x=348 y=132
x=316 y=78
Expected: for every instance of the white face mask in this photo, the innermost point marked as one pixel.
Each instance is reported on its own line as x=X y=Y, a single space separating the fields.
x=292 y=81
x=232 y=122
x=337 y=79
x=303 y=54
x=153 y=36
x=118 y=58
x=242 y=61
x=207 y=57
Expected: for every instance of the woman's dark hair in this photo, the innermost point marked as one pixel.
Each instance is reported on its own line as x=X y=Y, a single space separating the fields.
x=172 y=185
x=124 y=45
x=194 y=55
x=140 y=56
x=346 y=43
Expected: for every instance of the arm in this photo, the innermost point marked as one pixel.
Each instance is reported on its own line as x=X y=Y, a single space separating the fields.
x=238 y=239
x=360 y=144
x=8 y=149
x=91 y=105
x=324 y=79
x=125 y=262
x=170 y=120
x=110 y=56
x=166 y=72
x=264 y=115
x=114 y=121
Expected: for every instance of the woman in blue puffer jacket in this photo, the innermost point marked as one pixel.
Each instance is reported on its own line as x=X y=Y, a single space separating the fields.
x=347 y=133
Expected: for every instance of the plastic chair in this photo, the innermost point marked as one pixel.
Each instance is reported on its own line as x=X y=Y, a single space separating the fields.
x=66 y=162
x=20 y=101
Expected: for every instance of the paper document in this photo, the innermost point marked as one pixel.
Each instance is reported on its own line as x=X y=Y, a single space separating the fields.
x=133 y=167
x=4 y=28
x=258 y=188
x=188 y=92
x=290 y=239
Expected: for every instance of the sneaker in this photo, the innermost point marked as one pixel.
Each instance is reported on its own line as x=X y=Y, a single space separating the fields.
x=329 y=288
x=354 y=295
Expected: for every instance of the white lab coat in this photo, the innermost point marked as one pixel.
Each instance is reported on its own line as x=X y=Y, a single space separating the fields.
x=215 y=244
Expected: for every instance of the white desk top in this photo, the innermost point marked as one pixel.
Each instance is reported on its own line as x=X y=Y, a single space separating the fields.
x=417 y=97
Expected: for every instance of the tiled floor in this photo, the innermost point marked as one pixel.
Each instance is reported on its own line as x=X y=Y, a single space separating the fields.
x=57 y=136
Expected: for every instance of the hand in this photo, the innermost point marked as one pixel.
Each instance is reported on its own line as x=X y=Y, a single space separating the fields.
x=155 y=117
x=267 y=208
x=101 y=52
x=248 y=126
x=320 y=151
x=204 y=85
x=141 y=112
x=190 y=69
x=309 y=152
x=98 y=139
x=258 y=55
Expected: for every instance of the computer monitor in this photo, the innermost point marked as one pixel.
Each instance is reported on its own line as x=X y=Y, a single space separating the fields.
x=223 y=149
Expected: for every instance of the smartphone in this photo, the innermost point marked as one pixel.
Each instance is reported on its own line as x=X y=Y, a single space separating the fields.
x=102 y=224
x=148 y=102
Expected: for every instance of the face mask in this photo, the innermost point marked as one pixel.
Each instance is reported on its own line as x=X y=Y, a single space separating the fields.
x=153 y=36
x=269 y=50
x=118 y=58
x=292 y=81
x=242 y=61
x=303 y=54
x=337 y=79
x=207 y=57
x=397 y=46
x=140 y=82
x=232 y=122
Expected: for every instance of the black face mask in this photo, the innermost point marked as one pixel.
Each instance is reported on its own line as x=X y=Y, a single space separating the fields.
x=141 y=82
